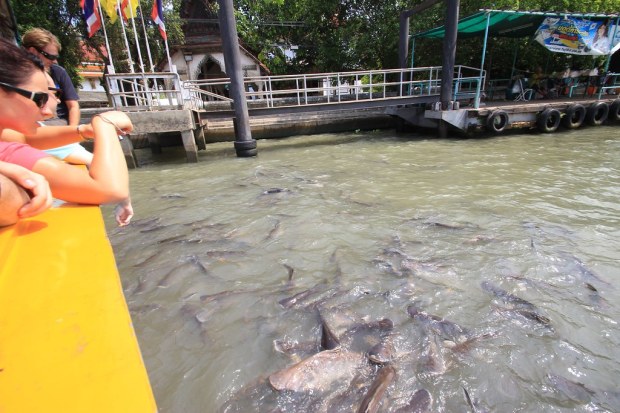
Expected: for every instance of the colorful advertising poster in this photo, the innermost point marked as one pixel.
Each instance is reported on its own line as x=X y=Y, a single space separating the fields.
x=578 y=36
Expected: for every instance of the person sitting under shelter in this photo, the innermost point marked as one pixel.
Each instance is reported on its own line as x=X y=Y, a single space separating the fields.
x=541 y=84
x=518 y=89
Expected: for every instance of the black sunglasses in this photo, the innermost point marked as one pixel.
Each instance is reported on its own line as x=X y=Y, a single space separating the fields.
x=56 y=91
x=40 y=98
x=49 y=56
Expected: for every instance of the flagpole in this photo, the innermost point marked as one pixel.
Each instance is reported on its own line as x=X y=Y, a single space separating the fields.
x=168 y=54
x=146 y=38
x=135 y=35
x=129 y=59
x=105 y=34
x=158 y=17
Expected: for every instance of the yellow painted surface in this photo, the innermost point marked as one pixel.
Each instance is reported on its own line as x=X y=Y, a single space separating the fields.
x=66 y=339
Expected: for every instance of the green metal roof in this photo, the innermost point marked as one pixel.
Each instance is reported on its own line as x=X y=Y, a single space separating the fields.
x=503 y=23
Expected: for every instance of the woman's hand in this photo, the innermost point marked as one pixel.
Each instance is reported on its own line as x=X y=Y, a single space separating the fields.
x=119 y=120
x=123 y=212
x=36 y=185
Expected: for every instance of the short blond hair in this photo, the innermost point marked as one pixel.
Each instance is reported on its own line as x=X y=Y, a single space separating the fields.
x=39 y=39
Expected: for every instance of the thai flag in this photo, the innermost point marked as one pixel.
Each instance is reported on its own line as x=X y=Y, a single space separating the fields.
x=158 y=17
x=129 y=9
x=124 y=5
x=92 y=18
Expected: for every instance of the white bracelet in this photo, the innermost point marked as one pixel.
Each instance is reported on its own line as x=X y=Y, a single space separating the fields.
x=80 y=133
x=119 y=130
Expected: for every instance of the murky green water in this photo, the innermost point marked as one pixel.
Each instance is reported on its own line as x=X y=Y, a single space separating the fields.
x=375 y=223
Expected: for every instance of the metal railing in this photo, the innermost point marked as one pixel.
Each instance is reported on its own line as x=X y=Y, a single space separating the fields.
x=497 y=87
x=146 y=91
x=164 y=91
x=338 y=87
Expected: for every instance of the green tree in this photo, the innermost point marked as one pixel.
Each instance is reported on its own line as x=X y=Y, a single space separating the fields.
x=330 y=35
x=338 y=35
x=60 y=17
x=64 y=19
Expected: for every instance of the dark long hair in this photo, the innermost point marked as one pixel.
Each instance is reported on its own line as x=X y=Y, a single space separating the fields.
x=16 y=64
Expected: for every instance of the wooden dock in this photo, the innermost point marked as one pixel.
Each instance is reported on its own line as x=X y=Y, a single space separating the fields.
x=547 y=115
x=191 y=114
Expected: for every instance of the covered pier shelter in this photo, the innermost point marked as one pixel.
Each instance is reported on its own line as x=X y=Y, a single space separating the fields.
x=517 y=24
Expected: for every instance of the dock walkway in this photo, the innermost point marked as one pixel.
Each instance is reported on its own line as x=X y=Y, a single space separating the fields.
x=161 y=105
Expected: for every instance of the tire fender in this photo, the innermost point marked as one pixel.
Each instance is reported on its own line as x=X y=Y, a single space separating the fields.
x=597 y=113
x=497 y=121
x=574 y=116
x=548 y=120
x=614 y=110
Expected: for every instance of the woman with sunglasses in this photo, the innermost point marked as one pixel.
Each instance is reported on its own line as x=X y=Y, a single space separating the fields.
x=24 y=102
x=57 y=137
x=23 y=193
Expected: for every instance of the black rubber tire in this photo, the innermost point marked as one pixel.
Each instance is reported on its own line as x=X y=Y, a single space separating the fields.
x=246 y=149
x=548 y=120
x=497 y=121
x=248 y=153
x=614 y=110
x=597 y=113
x=245 y=145
x=574 y=116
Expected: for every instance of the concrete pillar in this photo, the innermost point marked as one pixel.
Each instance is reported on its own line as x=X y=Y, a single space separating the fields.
x=403 y=44
x=190 y=145
x=245 y=146
x=449 y=51
x=403 y=38
x=130 y=156
x=154 y=143
x=449 y=55
x=199 y=134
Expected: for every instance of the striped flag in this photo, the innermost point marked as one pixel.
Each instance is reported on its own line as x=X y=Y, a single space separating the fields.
x=158 y=17
x=129 y=9
x=91 y=16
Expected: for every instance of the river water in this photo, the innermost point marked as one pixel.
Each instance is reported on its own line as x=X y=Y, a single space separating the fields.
x=496 y=261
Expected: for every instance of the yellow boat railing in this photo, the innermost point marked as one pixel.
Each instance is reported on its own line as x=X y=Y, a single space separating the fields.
x=67 y=343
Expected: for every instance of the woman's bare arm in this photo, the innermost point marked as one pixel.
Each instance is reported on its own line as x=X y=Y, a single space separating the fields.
x=107 y=179
x=50 y=136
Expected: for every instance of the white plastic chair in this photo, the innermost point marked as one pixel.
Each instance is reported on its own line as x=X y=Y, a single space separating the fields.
x=525 y=94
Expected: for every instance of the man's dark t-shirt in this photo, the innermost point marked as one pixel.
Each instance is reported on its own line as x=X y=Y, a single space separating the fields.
x=63 y=82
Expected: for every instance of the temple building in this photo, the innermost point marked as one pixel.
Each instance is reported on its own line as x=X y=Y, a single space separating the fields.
x=202 y=55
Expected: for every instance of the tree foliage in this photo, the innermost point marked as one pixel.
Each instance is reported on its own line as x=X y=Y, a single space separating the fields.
x=328 y=35
x=64 y=19
x=60 y=17
x=340 y=35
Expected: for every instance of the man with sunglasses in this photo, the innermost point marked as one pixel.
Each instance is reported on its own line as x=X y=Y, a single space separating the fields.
x=46 y=47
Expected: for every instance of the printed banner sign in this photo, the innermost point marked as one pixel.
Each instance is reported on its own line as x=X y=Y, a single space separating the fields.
x=578 y=36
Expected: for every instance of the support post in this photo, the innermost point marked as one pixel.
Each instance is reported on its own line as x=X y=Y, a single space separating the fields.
x=130 y=156
x=608 y=60
x=245 y=146
x=154 y=143
x=403 y=44
x=190 y=145
x=484 y=53
x=199 y=134
x=449 y=55
x=403 y=38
